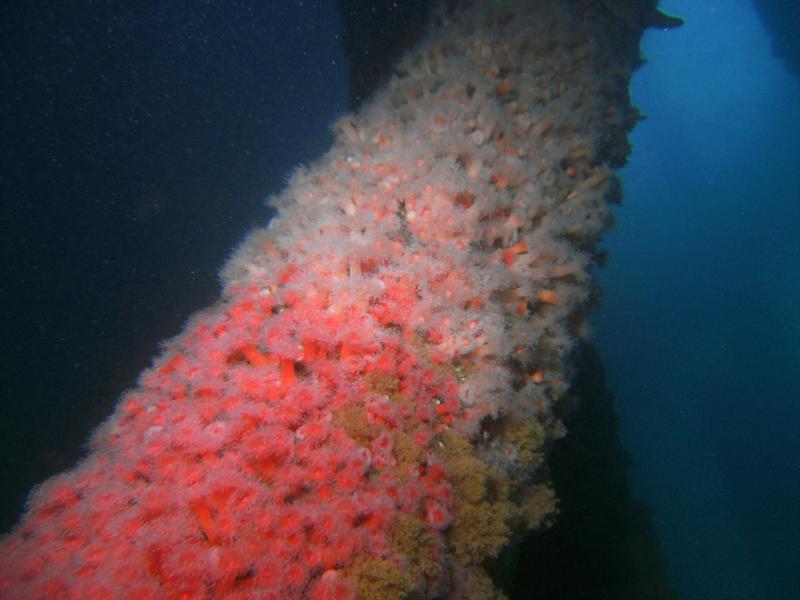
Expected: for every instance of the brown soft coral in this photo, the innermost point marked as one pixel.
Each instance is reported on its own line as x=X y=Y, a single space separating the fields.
x=380 y=579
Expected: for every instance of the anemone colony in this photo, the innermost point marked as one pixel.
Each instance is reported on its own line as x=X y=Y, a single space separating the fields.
x=365 y=411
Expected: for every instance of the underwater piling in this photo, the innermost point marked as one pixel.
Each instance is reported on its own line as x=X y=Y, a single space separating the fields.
x=365 y=412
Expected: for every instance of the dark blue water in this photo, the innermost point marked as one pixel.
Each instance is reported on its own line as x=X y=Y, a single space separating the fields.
x=701 y=325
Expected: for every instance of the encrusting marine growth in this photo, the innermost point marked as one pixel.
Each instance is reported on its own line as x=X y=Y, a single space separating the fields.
x=364 y=412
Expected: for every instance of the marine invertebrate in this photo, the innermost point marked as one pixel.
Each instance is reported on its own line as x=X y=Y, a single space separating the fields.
x=356 y=416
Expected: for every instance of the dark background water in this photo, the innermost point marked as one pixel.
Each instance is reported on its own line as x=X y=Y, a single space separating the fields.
x=700 y=330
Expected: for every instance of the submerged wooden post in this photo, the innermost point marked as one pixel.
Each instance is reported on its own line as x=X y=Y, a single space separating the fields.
x=365 y=411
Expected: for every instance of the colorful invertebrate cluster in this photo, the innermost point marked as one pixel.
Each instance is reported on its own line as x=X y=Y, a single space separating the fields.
x=364 y=412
